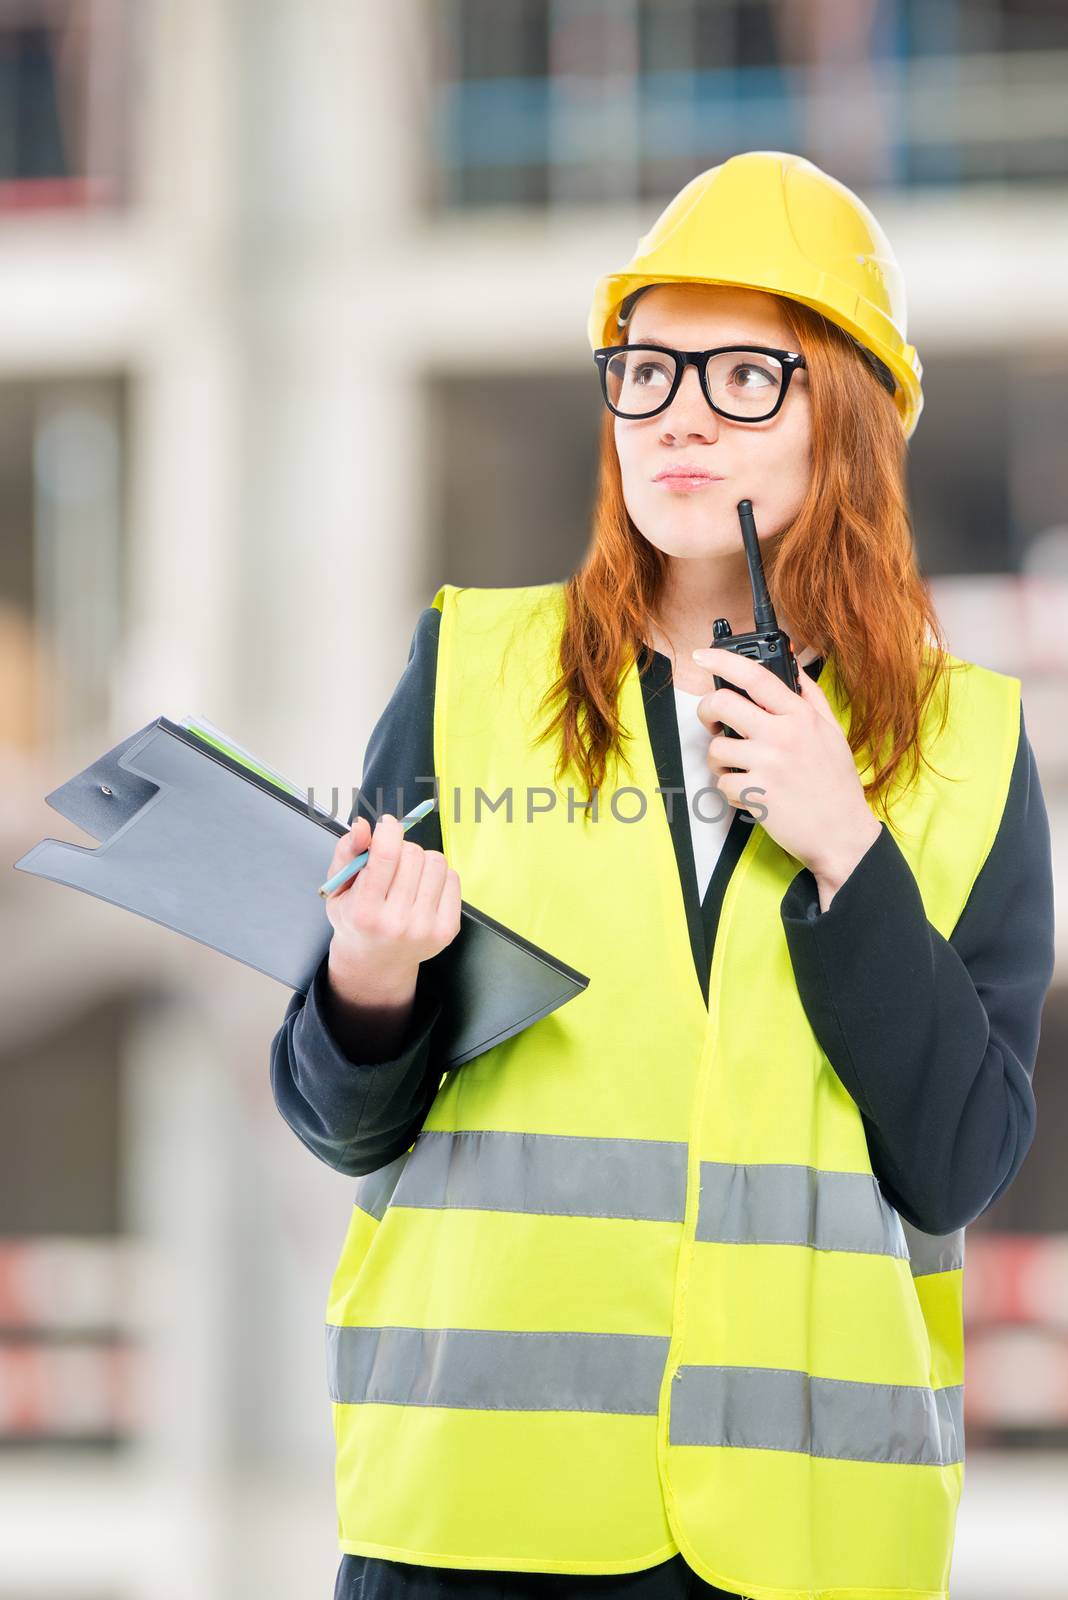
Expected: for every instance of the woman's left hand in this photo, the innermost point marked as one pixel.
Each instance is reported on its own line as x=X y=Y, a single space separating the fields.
x=796 y=763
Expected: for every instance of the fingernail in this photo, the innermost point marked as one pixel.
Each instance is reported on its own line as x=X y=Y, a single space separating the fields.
x=701 y=655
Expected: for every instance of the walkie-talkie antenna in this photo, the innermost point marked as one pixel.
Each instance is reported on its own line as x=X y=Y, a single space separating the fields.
x=763 y=610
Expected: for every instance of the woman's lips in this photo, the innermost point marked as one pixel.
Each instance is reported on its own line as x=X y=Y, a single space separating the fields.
x=686 y=483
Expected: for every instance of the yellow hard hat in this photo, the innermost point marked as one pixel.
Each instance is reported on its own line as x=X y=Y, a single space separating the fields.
x=770 y=220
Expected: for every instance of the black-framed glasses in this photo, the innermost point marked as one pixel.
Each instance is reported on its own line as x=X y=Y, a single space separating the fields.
x=744 y=383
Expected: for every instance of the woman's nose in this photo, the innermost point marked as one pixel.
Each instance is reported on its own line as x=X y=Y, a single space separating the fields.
x=690 y=409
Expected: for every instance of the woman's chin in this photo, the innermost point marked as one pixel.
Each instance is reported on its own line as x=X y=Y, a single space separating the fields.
x=695 y=540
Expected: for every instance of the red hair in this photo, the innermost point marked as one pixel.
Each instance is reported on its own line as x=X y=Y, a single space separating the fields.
x=844 y=571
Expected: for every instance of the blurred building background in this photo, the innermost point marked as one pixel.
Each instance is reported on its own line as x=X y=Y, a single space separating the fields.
x=292 y=329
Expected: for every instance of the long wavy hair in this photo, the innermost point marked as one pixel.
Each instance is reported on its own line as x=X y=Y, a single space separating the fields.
x=844 y=571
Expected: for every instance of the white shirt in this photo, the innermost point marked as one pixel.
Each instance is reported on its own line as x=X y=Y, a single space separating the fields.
x=712 y=817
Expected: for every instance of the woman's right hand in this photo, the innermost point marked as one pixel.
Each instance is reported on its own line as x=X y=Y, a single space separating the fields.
x=400 y=909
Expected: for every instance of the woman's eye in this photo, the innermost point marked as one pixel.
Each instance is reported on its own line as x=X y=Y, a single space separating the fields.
x=748 y=367
x=645 y=368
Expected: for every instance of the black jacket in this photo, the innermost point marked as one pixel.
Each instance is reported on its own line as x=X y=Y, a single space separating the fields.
x=934 y=1039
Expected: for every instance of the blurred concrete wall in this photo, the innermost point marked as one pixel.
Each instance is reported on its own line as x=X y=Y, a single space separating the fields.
x=304 y=356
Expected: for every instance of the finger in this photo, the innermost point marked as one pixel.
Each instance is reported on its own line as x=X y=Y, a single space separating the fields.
x=734 y=752
x=735 y=711
x=424 y=911
x=404 y=888
x=375 y=878
x=435 y=876
x=711 y=724
x=754 y=677
x=731 y=785
x=448 y=915
x=349 y=845
x=439 y=893
x=717 y=766
x=815 y=697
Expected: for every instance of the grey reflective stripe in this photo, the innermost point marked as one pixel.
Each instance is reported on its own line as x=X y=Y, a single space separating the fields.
x=375 y=1189
x=933 y=1252
x=763 y=1408
x=559 y=1174
x=777 y=1203
x=645 y=1180
x=767 y=1408
x=490 y=1371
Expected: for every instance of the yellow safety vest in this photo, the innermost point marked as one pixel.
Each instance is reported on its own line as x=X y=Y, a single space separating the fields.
x=635 y=1288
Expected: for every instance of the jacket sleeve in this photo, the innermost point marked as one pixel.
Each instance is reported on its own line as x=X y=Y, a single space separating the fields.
x=936 y=1039
x=358 y=1114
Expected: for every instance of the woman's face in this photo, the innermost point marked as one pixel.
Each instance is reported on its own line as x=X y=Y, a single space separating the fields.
x=768 y=463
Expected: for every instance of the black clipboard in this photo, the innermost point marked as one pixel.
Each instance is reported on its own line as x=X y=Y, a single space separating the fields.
x=193 y=840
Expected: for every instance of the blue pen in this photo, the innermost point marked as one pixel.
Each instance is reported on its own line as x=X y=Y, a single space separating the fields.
x=361 y=860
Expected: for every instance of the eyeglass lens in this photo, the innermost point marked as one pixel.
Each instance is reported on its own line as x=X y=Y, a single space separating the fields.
x=745 y=383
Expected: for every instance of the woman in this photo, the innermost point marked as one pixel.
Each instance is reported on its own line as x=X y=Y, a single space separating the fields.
x=665 y=1298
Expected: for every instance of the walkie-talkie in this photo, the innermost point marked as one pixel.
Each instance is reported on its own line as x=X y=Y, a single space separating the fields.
x=767 y=642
